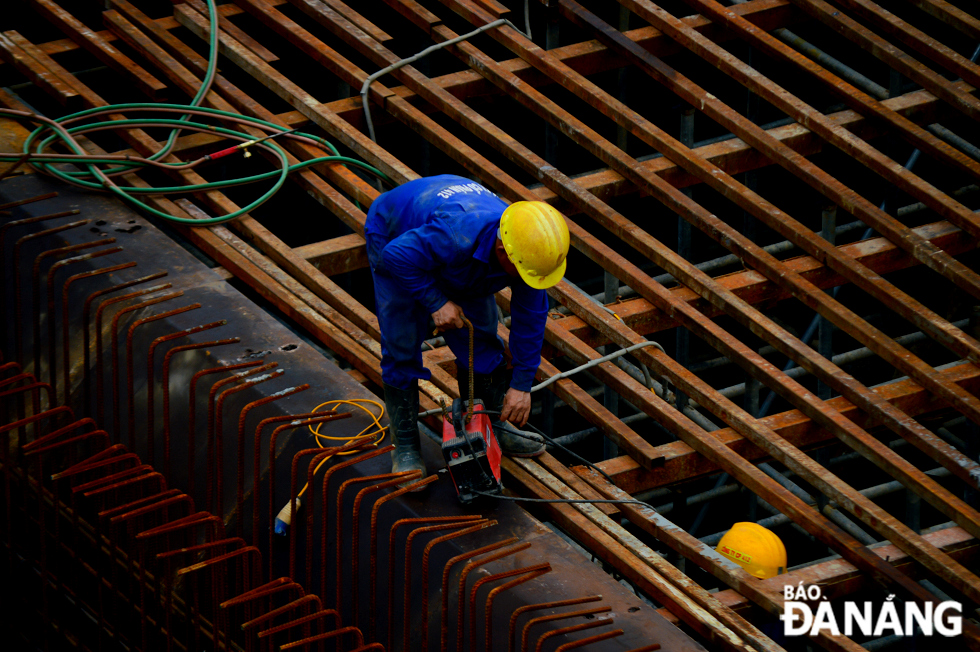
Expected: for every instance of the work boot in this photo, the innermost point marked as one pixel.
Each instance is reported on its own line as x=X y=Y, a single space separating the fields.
x=492 y=388
x=403 y=412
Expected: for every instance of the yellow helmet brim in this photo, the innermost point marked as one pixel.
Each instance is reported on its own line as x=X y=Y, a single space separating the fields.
x=543 y=282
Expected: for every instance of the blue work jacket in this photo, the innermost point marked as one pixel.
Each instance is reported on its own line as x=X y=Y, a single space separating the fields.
x=440 y=233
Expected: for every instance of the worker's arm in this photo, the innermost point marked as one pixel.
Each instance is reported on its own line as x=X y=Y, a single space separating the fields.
x=414 y=257
x=529 y=312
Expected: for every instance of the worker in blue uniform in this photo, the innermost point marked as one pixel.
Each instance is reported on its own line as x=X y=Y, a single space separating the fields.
x=439 y=248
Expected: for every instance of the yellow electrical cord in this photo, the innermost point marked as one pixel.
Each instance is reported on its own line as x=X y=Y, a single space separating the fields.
x=375 y=428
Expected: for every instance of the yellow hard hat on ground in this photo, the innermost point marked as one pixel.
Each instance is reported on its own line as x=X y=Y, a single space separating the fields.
x=535 y=237
x=755 y=549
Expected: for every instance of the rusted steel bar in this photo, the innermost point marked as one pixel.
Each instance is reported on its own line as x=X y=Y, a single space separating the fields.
x=130 y=380
x=682 y=463
x=18 y=290
x=192 y=413
x=114 y=353
x=165 y=383
x=318 y=615
x=372 y=565
x=36 y=296
x=65 y=321
x=382 y=481
x=4 y=229
x=286 y=608
x=819 y=124
x=296 y=421
x=325 y=499
x=561 y=631
x=408 y=477
x=38 y=74
x=242 y=416
x=29 y=200
x=525 y=574
x=151 y=394
x=407 y=610
x=894 y=57
x=86 y=339
x=226 y=25
x=358 y=637
x=479 y=525
x=271 y=587
x=526 y=632
x=951 y=15
x=597 y=638
x=101 y=50
x=520 y=611
x=103 y=305
x=915 y=39
x=51 y=299
x=109 y=513
x=214 y=475
x=461 y=591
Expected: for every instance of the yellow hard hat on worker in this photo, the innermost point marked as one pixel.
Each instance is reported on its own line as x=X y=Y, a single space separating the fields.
x=755 y=549
x=535 y=237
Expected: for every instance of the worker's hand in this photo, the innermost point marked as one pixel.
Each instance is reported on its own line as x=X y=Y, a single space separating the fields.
x=517 y=407
x=448 y=317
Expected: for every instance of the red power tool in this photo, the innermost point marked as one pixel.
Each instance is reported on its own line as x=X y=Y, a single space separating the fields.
x=472 y=452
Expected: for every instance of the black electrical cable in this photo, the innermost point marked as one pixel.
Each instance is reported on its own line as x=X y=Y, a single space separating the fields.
x=550 y=441
x=570 y=501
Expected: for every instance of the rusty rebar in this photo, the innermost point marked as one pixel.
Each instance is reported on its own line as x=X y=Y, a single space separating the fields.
x=373 y=564
x=461 y=592
x=324 y=499
x=31 y=200
x=36 y=292
x=65 y=320
x=561 y=631
x=165 y=382
x=130 y=380
x=18 y=307
x=192 y=413
x=355 y=527
x=114 y=353
x=151 y=394
x=469 y=523
x=520 y=611
x=526 y=632
x=51 y=297
x=296 y=421
x=444 y=599
x=319 y=615
x=383 y=481
x=475 y=527
x=324 y=637
x=240 y=479
x=588 y=640
x=215 y=470
x=526 y=575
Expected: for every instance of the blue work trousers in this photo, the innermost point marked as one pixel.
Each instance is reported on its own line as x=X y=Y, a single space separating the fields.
x=404 y=324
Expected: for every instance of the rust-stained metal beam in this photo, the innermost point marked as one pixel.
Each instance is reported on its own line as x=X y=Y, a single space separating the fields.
x=894 y=57
x=681 y=462
x=95 y=45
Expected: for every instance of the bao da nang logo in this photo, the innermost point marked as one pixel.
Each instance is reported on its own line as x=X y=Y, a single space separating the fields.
x=801 y=618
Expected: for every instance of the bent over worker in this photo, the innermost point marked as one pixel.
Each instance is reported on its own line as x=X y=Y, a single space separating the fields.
x=440 y=247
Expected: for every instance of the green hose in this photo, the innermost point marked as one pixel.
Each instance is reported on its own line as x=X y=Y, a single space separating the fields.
x=95 y=176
